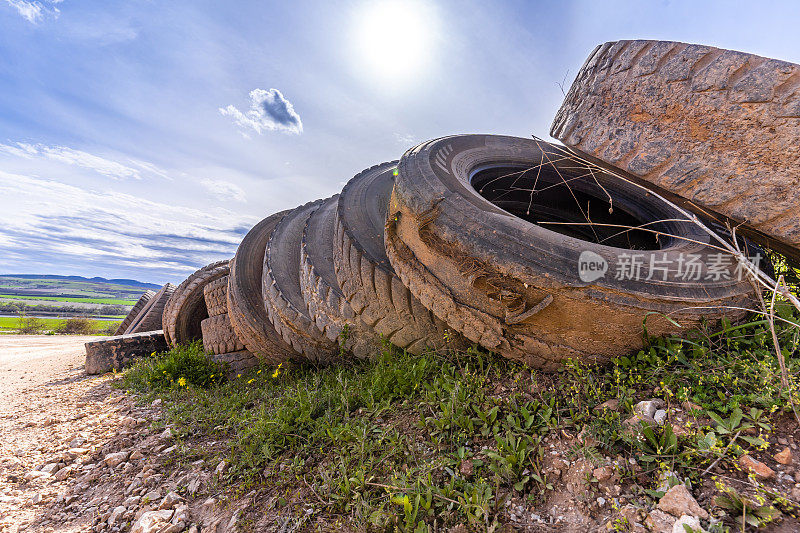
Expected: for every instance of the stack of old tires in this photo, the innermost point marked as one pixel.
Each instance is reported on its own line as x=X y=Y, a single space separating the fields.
x=482 y=238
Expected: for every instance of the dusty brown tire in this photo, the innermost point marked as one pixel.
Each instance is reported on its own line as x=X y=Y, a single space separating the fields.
x=374 y=292
x=246 y=309
x=151 y=315
x=137 y=308
x=186 y=308
x=282 y=294
x=715 y=126
x=238 y=362
x=216 y=296
x=325 y=302
x=218 y=335
x=513 y=286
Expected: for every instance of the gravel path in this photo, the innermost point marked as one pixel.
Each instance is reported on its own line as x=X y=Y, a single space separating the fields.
x=77 y=454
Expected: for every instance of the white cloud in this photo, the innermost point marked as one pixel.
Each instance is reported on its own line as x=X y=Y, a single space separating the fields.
x=406 y=140
x=34 y=11
x=224 y=190
x=269 y=111
x=101 y=165
x=65 y=225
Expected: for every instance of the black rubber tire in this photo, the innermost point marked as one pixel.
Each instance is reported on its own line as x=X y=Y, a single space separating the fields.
x=134 y=312
x=150 y=318
x=367 y=279
x=246 y=309
x=216 y=296
x=325 y=302
x=513 y=286
x=218 y=335
x=282 y=293
x=715 y=126
x=186 y=309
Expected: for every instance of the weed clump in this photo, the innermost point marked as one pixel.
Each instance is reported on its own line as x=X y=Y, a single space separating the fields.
x=180 y=367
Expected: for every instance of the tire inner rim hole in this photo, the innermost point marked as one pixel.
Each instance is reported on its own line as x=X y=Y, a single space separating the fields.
x=563 y=202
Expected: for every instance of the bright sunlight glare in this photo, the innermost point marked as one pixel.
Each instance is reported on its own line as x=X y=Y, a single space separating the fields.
x=394 y=38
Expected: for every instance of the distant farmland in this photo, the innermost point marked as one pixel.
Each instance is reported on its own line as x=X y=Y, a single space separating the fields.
x=65 y=296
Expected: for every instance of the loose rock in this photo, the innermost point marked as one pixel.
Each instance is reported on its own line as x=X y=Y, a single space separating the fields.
x=678 y=501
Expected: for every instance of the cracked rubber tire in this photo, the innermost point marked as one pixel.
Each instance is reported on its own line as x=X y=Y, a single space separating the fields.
x=282 y=293
x=151 y=316
x=246 y=309
x=715 y=126
x=137 y=308
x=186 y=308
x=216 y=296
x=218 y=335
x=367 y=279
x=513 y=286
x=324 y=299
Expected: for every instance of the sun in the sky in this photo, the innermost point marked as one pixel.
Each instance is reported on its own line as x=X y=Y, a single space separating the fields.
x=394 y=38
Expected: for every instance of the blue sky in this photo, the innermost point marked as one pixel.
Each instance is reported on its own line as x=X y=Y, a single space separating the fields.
x=142 y=139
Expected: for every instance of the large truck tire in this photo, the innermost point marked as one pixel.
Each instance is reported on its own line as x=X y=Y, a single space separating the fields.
x=366 y=277
x=500 y=263
x=715 y=126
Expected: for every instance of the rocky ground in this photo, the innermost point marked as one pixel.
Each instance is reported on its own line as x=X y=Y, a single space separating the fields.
x=78 y=455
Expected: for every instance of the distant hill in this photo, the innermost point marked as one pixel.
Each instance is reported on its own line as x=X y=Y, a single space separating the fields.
x=126 y=282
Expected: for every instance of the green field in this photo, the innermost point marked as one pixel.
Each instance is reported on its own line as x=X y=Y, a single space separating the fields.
x=9 y=324
x=101 y=301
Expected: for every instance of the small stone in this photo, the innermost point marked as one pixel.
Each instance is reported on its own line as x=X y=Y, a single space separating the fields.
x=220 y=468
x=152 y=496
x=610 y=405
x=136 y=455
x=116 y=515
x=761 y=471
x=603 y=473
x=688 y=521
x=648 y=408
x=49 y=468
x=678 y=501
x=152 y=521
x=63 y=474
x=689 y=406
x=466 y=468
x=783 y=441
x=181 y=514
x=114 y=459
x=659 y=522
x=75 y=452
x=166 y=434
x=156 y=403
x=77 y=442
x=660 y=417
x=784 y=457
x=170 y=500
x=637 y=420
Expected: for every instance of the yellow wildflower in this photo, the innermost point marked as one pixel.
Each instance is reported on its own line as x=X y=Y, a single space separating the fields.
x=182 y=382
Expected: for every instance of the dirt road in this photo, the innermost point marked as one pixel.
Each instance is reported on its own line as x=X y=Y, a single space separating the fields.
x=34 y=362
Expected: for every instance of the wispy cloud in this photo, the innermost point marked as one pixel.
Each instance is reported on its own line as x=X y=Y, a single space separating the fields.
x=224 y=190
x=93 y=230
x=34 y=11
x=269 y=111
x=101 y=165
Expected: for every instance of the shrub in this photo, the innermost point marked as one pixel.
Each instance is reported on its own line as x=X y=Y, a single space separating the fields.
x=76 y=326
x=182 y=366
x=30 y=325
x=111 y=329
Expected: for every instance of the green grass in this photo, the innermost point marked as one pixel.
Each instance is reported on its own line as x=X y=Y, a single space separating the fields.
x=10 y=324
x=103 y=301
x=381 y=444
